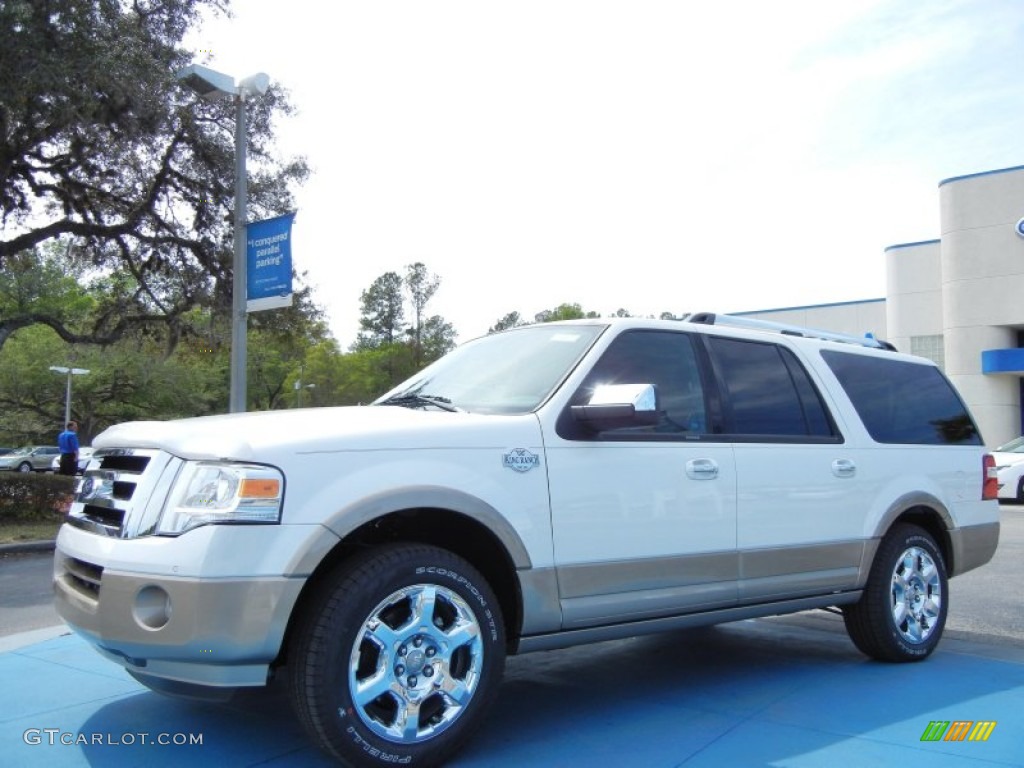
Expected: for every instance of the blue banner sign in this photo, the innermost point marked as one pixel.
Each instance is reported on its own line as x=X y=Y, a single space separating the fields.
x=269 y=260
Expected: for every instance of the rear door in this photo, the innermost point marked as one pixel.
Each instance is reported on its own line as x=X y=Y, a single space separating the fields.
x=800 y=505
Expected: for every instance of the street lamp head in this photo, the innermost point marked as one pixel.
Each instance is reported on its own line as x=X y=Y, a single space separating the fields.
x=208 y=83
x=255 y=85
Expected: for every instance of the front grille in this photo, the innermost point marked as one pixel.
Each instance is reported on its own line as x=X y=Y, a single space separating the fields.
x=122 y=463
x=110 y=519
x=118 y=492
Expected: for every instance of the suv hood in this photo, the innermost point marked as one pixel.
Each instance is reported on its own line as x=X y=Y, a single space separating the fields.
x=244 y=436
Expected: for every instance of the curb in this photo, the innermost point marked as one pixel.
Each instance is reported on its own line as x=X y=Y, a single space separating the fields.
x=46 y=545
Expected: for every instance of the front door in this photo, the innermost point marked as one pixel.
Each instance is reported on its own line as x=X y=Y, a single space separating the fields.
x=644 y=518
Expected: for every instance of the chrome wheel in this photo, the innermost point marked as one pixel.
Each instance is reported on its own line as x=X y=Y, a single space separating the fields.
x=397 y=656
x=916 y=595
x=902 y=611
x=415 y=663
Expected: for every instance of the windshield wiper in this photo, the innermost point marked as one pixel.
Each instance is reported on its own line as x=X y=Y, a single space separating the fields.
x=413 y=400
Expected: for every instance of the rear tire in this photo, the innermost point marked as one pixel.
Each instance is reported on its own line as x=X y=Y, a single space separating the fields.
x=902 y=613
x=397 y=657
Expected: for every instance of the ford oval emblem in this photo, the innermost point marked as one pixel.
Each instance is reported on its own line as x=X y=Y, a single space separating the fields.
x=521 y=460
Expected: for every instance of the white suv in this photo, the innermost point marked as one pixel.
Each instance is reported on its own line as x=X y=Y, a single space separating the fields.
x=549 y=485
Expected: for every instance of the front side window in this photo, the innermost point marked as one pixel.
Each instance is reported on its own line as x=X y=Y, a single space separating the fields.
x=903 y=402
x=665 y=359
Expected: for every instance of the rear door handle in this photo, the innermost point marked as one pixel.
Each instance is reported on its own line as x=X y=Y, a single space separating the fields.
x=844 y=468
x=702 y=469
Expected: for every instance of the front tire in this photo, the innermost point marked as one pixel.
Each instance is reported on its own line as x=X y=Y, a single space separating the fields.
x=397 y=657
x=902 y=613
x=24 y=467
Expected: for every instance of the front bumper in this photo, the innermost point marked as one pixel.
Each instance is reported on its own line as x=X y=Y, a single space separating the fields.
x=220 y=631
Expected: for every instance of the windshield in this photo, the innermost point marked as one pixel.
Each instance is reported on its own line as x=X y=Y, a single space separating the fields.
x=509 y=372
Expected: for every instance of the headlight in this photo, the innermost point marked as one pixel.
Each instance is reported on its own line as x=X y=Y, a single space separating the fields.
x=211 y=492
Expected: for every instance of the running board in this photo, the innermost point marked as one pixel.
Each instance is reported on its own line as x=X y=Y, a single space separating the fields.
x=573 y=637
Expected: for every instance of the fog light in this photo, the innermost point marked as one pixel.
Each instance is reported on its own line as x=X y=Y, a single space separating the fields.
x=152 y=609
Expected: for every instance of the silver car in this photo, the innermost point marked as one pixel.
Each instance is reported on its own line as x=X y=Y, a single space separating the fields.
x=30 y=458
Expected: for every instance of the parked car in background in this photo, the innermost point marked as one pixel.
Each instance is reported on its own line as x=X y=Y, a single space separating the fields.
x=84 y=454
x=5 y=451
x=30 y=458
x=1010 y=470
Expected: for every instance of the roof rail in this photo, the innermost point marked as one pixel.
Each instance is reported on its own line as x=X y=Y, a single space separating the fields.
x=710 y=318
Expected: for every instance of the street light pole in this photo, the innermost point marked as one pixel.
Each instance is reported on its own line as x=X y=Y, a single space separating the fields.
x=67 y=396
x=299 y=386
x=239 y=286
x=211 y=84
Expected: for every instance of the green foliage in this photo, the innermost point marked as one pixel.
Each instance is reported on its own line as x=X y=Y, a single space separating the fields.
x=149 y=374
x=367 y=374
x=437 y=338
x=105 y=154
x=420 y=286
x=387 y=350
x=382 y=312
x=43 y=280
x=511 y=320
x=31 y=496
x=564 y=312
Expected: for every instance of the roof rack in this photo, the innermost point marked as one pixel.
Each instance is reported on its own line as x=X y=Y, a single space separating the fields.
x=710 y=318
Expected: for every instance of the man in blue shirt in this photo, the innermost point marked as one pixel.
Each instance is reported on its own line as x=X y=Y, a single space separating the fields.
x=67 y=441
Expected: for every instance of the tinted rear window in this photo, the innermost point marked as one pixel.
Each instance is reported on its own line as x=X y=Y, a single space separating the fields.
x=903 y=402
x=768 y=392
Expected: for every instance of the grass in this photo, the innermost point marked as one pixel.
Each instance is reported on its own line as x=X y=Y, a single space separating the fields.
x=16 y=531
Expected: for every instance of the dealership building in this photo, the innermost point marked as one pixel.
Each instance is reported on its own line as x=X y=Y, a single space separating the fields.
x=958 y=299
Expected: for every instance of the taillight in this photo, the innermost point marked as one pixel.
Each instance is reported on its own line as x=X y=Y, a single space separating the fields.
x=990 y=484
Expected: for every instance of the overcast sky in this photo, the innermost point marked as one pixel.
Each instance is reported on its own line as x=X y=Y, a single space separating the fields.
x=653 y=155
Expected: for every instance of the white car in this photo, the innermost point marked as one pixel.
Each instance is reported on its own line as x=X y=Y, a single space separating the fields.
x=1010 y=470
x=84 y=454
x=548 y=485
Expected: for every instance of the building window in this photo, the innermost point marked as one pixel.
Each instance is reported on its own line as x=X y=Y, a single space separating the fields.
x=930 y=347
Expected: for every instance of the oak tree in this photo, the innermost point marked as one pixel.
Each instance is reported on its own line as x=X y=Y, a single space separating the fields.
x=105 y=152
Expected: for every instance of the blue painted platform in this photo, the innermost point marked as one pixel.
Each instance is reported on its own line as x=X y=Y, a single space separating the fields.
x=756 y=693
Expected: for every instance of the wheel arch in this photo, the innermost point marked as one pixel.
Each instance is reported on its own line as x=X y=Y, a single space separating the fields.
x=440 y=517
x=927 y=512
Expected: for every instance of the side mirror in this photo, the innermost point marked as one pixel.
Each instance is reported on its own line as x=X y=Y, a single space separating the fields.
x=614 y=406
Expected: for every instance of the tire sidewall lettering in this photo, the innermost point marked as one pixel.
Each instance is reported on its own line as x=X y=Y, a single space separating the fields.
x=372 y=751
x=459 y=579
